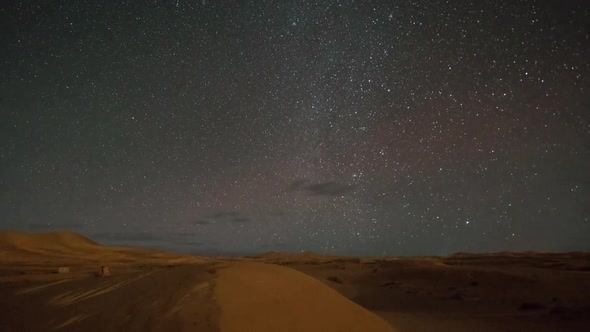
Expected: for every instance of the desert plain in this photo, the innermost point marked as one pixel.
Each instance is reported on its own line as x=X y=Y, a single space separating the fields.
x=53 y=282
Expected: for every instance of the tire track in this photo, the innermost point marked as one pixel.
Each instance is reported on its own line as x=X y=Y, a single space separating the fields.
x=69 y=298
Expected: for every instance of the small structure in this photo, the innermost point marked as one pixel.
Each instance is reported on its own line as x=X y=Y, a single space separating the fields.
x=63 y=269
x=105 y=271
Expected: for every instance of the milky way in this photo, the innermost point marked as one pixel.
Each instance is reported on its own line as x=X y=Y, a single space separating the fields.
x=345 y=127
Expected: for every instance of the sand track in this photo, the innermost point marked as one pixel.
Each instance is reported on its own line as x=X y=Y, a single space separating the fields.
x=152 y=300
x=265 y=297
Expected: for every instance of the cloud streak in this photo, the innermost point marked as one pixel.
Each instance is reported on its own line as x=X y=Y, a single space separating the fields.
x=330 y=188
x=222 y=217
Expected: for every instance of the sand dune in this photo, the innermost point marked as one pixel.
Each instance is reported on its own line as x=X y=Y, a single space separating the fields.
x=49 y=240
x=264 y=297
x=17 y=246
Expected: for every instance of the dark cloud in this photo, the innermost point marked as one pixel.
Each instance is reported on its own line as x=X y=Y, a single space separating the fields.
x=180 y=242
x=49 y=227
x=330 y=188
x=225 y=215
x=109 y=238
x=201 y=222
x=186 y=243
x=296 y=185
x=273 y=246
x=278 y=213
x=241 y=219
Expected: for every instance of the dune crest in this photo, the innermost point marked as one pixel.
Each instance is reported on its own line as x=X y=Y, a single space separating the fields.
x=264 y=297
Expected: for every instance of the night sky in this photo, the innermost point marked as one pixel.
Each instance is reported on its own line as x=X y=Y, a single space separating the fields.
x=340 y=127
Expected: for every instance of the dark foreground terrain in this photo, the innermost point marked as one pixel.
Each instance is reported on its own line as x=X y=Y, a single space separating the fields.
x=158 y=291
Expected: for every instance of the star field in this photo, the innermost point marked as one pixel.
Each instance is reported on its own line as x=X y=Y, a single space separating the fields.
x=344 y=127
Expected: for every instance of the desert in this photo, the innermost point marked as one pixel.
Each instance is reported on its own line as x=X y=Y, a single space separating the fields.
x=53 y=282
x=295 y=166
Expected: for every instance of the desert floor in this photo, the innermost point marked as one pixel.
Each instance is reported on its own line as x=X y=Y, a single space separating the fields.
x=158 y=291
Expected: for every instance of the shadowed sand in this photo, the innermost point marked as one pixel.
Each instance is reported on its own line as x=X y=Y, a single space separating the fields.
x=151 y=290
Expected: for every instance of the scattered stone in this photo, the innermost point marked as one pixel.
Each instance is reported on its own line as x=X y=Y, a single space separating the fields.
x=558 y=310
x=335 y=279
x=391 y=283
x=63 y=269
x=105 y=271
x=368 y=261
x=457 y=296
x=529 y=306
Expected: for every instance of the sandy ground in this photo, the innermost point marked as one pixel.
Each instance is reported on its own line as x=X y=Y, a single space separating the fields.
x=267 y=297
x=157 y=291
x=496 y=292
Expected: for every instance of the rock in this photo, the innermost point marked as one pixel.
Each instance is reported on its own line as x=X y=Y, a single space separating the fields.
x=527 y=306
x=105 y=271
x=391 y=283
x=335 y=279
x=368 y=261
x=457 y=296
x=63 y=269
